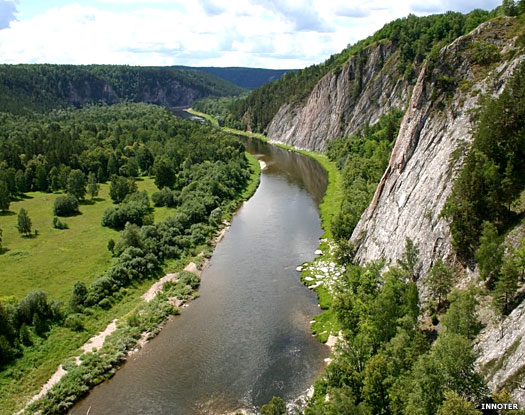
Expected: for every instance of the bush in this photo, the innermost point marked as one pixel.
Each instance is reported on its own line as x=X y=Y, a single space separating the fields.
x=105 y=304
x=189 y=278
x=65 y=206
x=58 y=224
x=165 y=197
x=74 y=322
x=135 y=209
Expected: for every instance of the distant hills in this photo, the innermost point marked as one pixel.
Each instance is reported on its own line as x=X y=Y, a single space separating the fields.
x=43 y=87
x=249 y=78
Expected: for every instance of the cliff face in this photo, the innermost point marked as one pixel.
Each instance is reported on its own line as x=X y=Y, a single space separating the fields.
x=170 y=93
x=434 y=137
x=367 y=87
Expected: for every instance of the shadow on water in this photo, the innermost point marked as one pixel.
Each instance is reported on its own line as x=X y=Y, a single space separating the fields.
x=247 y=338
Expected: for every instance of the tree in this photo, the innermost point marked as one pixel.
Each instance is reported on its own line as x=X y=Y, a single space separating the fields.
x=506 y=287
x=408 y=261
x=79 y=296
x=120 y=187
x=54 y=179
x=24 y=222
x=490 y=253
x=164 y=173
x=509 y=8
x=76 y=184
x=455 y=404
x=41 y=178
x=461 y=317
x=276 y=406
x=20 y=182
x=65 y=205
x=4 y=196
x=93 y=186
x=440 y=281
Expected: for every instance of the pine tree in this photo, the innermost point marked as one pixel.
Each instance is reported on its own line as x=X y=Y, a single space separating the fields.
x=489 y=256
x=4 y=196
x=440 y=281
x=506 y=286
x=93 y=186
x=24 y=222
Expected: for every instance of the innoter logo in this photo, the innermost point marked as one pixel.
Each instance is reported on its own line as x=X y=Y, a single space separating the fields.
x=499 y=406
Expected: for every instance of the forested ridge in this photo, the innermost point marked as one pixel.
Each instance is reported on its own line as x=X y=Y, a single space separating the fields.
x=42 y=87
x=249 y=78
x=414 y=37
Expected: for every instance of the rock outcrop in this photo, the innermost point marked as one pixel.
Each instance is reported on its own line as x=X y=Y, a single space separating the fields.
x=434 y=137
x=367 y=87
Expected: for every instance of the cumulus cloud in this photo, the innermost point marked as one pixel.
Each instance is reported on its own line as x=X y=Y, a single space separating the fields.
x=302 y=14
x=257 y=33
x=7 y=13
x=439 y=6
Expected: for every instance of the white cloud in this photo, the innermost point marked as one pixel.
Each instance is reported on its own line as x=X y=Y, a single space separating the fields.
x=267 y=33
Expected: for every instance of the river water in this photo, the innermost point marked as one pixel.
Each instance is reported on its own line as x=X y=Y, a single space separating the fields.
x=247 y=337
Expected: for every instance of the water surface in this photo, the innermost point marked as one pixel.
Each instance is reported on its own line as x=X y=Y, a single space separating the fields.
x=247 y=337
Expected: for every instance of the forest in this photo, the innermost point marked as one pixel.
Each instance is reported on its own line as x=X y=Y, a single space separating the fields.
x=199 y=173
x=41 y=87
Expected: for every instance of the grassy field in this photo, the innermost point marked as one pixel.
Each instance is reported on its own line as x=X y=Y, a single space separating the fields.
x=26 y=375
x=55 y=259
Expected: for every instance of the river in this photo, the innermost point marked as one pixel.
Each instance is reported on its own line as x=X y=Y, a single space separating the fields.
x=247 y=337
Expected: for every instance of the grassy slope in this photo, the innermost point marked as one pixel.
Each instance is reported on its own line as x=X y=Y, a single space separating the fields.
x=24 y=378
x=55 y=259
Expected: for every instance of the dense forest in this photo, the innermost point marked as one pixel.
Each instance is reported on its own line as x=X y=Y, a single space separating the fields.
x=414 y=37
x=199 y=172
x=39 y=87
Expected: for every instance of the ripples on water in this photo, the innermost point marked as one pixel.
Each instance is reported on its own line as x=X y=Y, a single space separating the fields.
x=247 y=337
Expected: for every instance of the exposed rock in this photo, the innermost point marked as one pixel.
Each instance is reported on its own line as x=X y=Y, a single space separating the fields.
x=501 y=348
x=434 y=136
x=367 y=87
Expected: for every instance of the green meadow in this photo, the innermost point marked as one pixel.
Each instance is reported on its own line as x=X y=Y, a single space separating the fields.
x=55 y=259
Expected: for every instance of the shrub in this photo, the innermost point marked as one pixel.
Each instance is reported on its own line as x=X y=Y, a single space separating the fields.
x=105 y=304
x=165 y=197
x=74 y=322
x=58 y=224
x=189 y=278
x=65 y=206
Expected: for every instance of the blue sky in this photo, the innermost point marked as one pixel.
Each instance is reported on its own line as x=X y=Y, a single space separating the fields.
x=254 y=33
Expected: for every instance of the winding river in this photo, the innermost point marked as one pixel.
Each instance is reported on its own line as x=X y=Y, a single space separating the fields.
x=247 y=337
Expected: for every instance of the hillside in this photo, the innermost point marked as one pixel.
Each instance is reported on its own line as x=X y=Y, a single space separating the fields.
x=43 y=87
x=308 y=108
x=249 y=78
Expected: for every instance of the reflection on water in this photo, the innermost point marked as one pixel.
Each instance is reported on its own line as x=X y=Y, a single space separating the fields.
x=247 y=337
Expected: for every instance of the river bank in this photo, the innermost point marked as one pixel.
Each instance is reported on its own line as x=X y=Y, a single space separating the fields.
x=318 y=275
x=103 y=353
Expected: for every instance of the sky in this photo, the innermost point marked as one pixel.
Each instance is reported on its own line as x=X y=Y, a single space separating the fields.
x=279 y=34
